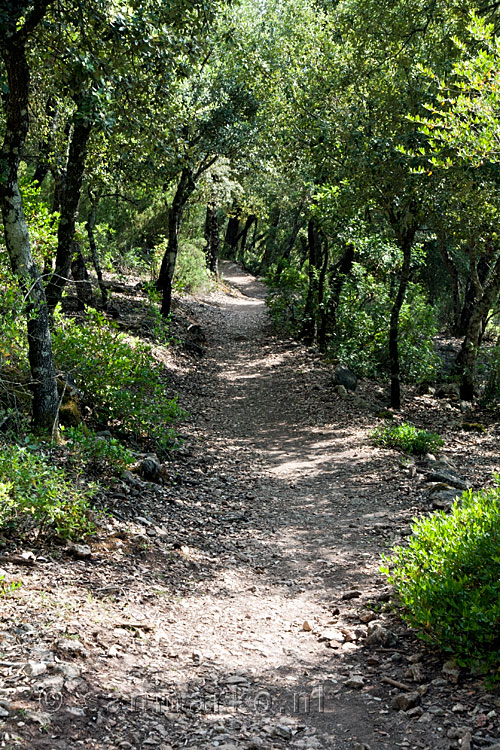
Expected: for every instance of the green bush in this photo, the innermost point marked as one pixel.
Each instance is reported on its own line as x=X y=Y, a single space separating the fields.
x=37 y=501
x=407 y=437
x=191 y=273
x=448 y=579
x=287 y=296
x=121 y=381
x=361 y=339
x=91 y=451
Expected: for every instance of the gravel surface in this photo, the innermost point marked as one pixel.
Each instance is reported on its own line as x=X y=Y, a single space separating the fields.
x=238 y=604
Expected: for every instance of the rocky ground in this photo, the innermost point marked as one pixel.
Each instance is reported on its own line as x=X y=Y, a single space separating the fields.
x=238 y=604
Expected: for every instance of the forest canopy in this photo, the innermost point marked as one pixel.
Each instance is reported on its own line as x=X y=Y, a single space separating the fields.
x=346 y=150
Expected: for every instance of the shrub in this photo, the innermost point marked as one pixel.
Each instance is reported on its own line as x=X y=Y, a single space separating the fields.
x=361 y=338
x=37 y=500
x=104 y=454
x=121 y=381
x=191 y=273
x=448 y=578
x=287 y=296
x=407 y=437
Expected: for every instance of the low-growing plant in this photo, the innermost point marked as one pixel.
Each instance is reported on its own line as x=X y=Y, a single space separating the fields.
x=8 y=587
x=102 y=453
x=407 y=437
x=191 y=272
x=121 y=381
x=37 y=501
x=448 y=579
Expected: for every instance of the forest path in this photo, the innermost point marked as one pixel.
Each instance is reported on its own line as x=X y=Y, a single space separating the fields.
x=228 y=607
x=314 y=516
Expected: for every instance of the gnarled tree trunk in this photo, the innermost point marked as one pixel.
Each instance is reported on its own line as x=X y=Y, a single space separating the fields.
x=70 y=200
x=212 y=238
x=329 y=315
x=16 y=100
x=308 y=331
x=185 y=188
x=467 y=357
x=231 y=237
x=80 y=276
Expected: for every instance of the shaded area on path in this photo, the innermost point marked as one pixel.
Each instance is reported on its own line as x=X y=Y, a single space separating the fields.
x=281 y=506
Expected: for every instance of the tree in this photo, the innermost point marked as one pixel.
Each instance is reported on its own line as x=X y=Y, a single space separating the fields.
x=215 y=119
x=18 y=23
x=462 y=133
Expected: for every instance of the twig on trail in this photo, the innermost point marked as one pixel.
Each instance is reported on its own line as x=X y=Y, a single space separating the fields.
x=17 y=560
x=390 y=650
x=134 y=625
x=395 y=683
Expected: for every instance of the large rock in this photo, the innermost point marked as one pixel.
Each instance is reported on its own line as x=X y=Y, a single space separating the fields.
x=447 y=478
x=405 y=701
x=196 y=334
x=448 y=390
x=150 y=468
x=343 y=376
x=378 y=635
x=444 y=500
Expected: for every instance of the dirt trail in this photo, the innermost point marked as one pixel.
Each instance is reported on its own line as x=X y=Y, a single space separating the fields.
x=234 y=622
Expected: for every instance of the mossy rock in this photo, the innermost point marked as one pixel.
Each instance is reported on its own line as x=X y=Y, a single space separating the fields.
x=474 y=427
x=70 y=414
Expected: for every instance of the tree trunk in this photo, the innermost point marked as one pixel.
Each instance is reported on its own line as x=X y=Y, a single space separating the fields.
x=45 y=146
x=454 y=282
x=467 y=357
x=291 y=240
x=80 y=276
x=90 y=226
x=471 y=295
x=184 y=190
x=212 y=238
x=270 y=248
x=16 y=103
x=254 y=235
x=70 y=199
x=323 y=313
x=230 y=238
x=240 y=253
x=341 y=270
x=406 y=243
x=308 y=331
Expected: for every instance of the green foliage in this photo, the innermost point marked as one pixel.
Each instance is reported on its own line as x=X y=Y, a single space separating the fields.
x=287 y=294
x=448 y=578
x=121 y=381
x=464 y=122
x=407 y=437
x=37 y=501
x=42 y=223
x=361 y=339
x=8 y=588
x=101 y=453
x=191 y=273
x=13 y=349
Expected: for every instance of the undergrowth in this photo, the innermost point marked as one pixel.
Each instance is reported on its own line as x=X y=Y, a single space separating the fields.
x=103 y=454
x=448 y=579
x=38 y=502
x=408 y=438
x=121 y=382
